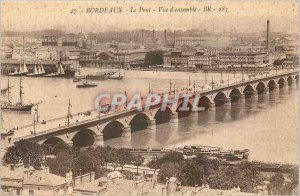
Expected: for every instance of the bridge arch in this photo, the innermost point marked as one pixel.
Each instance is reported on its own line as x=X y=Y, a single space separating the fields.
x=53 y=141
x=261 y=87
x=297 y=78
x=113 y=129
x=83 y=138
x=220 y=98
x=205 y=102
x=139 y=122
x=281 y=82
x=248 y=90
x=235 y=94
x=182 y=114
x=271 y=84
x=289 y=79
x=163 y=116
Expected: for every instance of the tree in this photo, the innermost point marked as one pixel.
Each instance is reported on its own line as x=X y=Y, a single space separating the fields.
x=124 y=156
x=28 y=152
x=138 y=160
x=168 y=170
x=103 y=155
x=84 y=163
x=61 y=164
x=154 y=57
x=192 y=174
x=172 y=156
x=276 y=184
x=51 y=149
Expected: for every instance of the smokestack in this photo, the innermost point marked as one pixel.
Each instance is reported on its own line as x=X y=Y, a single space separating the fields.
x=142 y=35
x=174 y=38
x=268 y=29
x=153 y=35
x=165 y=36
x=133 y=36
x=91 y=39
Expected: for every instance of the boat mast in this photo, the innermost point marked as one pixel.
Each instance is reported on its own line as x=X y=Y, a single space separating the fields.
x=8 y=91
x=21 y=92
x=23 y=53
x=69 y=113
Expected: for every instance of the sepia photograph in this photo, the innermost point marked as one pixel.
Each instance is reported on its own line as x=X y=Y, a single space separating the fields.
x=152 y=98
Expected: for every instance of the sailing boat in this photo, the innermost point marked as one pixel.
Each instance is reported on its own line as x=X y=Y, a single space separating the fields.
x=17 y=106
x=118 y=77
x=37 y=71
x=42 y=71
x=22 y=70
x=59 y=73
x=4 y=90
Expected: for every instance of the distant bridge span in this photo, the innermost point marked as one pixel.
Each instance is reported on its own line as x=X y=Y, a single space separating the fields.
x=93 y=130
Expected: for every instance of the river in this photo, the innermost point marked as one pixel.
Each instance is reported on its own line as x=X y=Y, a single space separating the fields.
x=267 y=125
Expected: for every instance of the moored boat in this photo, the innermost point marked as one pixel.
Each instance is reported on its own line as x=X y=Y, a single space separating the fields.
x=86 y=85
x=59 y=73
x=100 y=75
x=22 y=71
x=76 y=80
x=116 y=77
x=20 y=106
x=37 y=71
x=230 y=155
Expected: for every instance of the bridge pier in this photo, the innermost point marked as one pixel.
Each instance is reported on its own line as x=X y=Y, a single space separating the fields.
x=228 y=102
x=174 y=117
x=151 y=124
x=275 y=90
x=127 y=132
x=212 y=107
x=194 y=114
x=99 y=140
x=254 y=95
x=266 y=91
x=69 y=143
x=242 y=98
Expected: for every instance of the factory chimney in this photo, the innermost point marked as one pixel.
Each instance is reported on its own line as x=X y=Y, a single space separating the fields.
x=268 y=34
x=165 y=36
x=153 y=35
x=142 y=35
x=174 y=38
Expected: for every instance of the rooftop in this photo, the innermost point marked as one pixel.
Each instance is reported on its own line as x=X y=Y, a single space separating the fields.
x=43 y=178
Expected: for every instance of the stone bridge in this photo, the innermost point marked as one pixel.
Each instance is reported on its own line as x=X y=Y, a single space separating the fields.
x=122 y=123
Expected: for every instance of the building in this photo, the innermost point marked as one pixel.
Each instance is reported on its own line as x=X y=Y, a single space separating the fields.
x=44 y=53
x=49 y=41
x=188 y=41
x=12 y=179
x=201 y=60
x=242 y=59
x=6 y=52
x=176 y=58
x=114 y=58
x=18 y=180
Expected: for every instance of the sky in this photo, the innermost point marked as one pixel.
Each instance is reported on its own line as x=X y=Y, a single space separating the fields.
x=243 y=16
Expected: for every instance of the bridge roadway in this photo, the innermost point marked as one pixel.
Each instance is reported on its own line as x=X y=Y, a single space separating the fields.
x=122 y=122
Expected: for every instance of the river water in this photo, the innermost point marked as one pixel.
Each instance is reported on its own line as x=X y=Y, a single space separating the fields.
x=267 y=124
